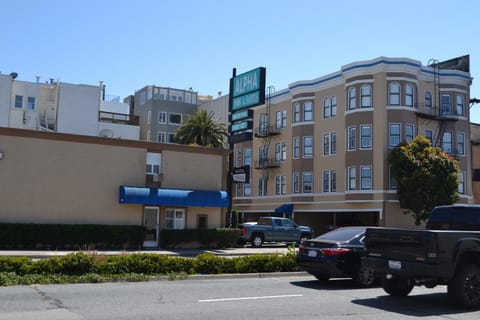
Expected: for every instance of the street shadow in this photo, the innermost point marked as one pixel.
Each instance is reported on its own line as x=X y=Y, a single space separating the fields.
x=332 y=284
x=422 y=305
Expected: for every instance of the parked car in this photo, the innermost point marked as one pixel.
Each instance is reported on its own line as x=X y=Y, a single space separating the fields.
x=273 y=229
x=336 y=254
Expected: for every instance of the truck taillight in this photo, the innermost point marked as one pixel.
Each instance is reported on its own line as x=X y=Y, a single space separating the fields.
x=244 y=231
x=334 y=251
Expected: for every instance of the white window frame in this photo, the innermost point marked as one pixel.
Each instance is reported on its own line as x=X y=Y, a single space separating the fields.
x=394 y=96
x=175 y=218
x=326 y=144
x=366 y=181
x=308 y=111
x=307 y=186
x=429 y=135
x=326 y=108
x=352 y=99
x=428 y=99
x=170 y=114
x=161 y=137
x=296 y=112
x=460 y=104
x=162 y=117
x=409 y=95
x=461 y=182
x=366 y=96
x=351 y=138
x=409 y=132
x=366 y=137
x=307 y=148
x=392 y=137
x=333 y=107
x=31 y=103
x=460 y=143
x=352 y=178
x=296 y=148
x=447 y=142
x=296 y=182
x=262 y=186
x=18 y=102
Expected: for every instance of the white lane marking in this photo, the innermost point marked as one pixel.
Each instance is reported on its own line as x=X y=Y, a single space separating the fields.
x=252 y=298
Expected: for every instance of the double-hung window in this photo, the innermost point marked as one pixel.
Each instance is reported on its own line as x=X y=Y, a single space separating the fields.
x=366 y=177
x=409 y=95
x=366 y=136
x=461 y=182
x=280 y=185
x=366 y=96
x=409 y=132
x=307 y=147
x=296 y=112
x=296 y=182
x=447 y=142
x=329 y=143
x=329 y=181
x=428 y=99
x=351 y=98
x=446 y=104
x=19 y=102
x=162 y=117
x=307 y=182
x=393 y=135
x=30 y=103
x=394 y=94
x=352 y=138
x=308 y=111
x=326 y=144
x=460 y=143
x=333 y=106
x=262 y=186
x=460 y=103
x=351 y=178
x=326 y=108
x=296 y=148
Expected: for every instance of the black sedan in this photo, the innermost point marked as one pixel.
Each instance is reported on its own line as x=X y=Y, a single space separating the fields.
x=336 y=254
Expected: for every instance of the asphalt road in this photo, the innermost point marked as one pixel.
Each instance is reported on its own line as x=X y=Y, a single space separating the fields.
x=292 y=297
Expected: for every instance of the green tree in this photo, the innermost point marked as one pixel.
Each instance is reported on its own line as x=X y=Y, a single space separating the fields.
x=426 y=177
x=201 y=129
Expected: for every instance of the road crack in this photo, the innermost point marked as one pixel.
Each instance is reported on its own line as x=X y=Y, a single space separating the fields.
x=53 y=302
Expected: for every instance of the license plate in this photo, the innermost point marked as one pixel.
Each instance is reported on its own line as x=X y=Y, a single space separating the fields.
x=312 y=253
x=396 y=265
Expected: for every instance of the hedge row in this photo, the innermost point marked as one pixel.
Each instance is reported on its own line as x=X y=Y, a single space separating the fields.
x=137 y=265
x=87 y=237
x=70 y=236
x=200 y=238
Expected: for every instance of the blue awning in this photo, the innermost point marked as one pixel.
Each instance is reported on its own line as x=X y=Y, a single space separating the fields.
x=285 y=208
x=173 y=197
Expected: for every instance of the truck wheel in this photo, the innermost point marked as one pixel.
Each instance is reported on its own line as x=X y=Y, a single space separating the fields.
x=365 y=277
x=399 y=287
x=257 y=240
x=464 y=287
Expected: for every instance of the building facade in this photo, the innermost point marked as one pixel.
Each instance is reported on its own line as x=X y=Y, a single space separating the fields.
x=162 y=111
x=320 y=148
x=59 y=178
x=56 y=106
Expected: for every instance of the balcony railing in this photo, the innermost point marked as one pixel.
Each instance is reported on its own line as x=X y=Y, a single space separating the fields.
x=265 y=163
x=120 y=118
x=265 y=131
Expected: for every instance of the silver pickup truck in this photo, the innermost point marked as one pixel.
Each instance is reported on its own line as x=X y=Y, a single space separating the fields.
x=273 y=229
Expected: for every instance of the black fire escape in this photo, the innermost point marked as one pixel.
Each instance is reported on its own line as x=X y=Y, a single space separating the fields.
x=266 y=131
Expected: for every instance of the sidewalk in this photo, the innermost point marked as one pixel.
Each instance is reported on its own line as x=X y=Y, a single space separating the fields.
x=229 y=252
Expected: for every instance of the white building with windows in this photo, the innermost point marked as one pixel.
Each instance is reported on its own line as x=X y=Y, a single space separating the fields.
x=61 y=107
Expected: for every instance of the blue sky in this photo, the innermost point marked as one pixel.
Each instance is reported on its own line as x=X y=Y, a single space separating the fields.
x=193 y=43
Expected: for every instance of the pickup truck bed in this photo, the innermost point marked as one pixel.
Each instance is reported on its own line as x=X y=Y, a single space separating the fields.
x=403 y=258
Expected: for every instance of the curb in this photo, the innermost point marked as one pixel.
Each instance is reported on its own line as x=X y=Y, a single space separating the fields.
x=231 y=276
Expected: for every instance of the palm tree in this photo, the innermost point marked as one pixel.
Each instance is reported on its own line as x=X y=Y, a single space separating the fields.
x=201 y=129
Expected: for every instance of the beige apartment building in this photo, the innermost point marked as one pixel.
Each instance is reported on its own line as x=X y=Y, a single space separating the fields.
x=60 y=178
x=320 y=147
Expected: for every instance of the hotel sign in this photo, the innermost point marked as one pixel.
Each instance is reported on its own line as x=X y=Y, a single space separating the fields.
x=248 y=89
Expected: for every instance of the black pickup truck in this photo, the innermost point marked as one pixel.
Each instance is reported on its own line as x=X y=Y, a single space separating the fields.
x=447 y=252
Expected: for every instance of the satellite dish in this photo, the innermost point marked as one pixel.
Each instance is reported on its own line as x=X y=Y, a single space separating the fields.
x=106 y=133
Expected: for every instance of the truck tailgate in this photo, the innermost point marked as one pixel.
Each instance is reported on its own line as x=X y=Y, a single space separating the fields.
x=399 y=244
